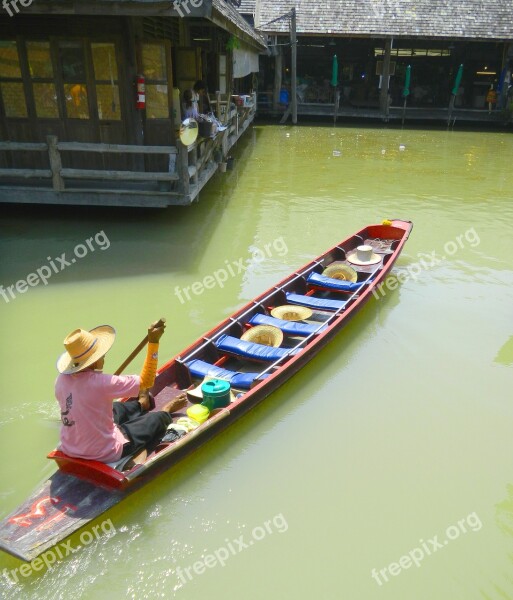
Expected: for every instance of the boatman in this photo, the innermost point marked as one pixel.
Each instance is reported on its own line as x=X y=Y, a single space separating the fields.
x=93 y=427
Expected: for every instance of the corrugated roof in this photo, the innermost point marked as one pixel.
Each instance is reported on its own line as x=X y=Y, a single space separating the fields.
x=227 y=10
x=247 y=7
x=474 y=19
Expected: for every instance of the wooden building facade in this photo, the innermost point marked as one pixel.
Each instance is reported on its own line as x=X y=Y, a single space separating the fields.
x=375 y=41
x=70 y=126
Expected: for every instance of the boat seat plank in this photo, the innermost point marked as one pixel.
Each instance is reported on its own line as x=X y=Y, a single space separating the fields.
x=288 y=327
x=200 y=368
x=250 y=350
x=316 y=303
x=330 y=283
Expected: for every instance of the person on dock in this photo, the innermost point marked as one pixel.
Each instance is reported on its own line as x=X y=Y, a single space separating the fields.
x=201 y=97
x=190 y=105
x=491 y=99
x=93 y=427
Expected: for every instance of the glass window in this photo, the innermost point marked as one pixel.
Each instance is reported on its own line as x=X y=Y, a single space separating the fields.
x=45 y=98
x=155 y=71
x=40 y=60
x=13 y=96
x=154 y=61
x=108 y=102
x=72 y=61
x=106 y=76
x=41 y=73
x=157 y=106
x=9 y=61
x=75 y=95
x=104 y=60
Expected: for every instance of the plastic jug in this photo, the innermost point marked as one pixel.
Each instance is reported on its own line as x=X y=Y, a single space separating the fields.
x=216 y=393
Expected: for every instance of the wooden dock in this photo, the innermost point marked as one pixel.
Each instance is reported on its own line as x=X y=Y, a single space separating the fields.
x=189 y=168
x=395 y=113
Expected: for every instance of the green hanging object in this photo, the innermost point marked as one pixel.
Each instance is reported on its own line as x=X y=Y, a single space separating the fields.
x=334 y=71
x=457 y=81
x=233 y=43
x=407 y=77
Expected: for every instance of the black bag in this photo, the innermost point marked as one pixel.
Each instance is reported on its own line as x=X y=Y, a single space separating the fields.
x=205 y=129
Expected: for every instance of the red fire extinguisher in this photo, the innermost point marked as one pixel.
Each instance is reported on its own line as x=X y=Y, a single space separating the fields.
x=140 y=101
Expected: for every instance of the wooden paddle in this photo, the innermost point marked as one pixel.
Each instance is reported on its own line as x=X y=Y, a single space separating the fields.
x=139 y=347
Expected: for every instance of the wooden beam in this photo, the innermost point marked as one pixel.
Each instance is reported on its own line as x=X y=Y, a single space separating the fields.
x=118 y=175
x=293 y=67
x=115 y=148
x=26 y=173
x=183 y=168
x=24 y=146
x=92 y=197
x=55 y=163
x=278 y=69
x=383 y=98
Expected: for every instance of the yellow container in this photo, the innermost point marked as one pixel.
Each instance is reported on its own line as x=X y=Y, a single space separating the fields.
x=198 y=412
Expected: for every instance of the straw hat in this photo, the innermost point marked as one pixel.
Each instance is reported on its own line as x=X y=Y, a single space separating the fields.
x=268 y=335
x=363 y=255
x=83 y=348
x=339 y=271
x=289 y=312
x=188 y=132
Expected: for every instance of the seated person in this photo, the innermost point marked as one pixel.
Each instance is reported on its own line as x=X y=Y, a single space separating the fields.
x=92 y=426
x=201 y=97
x=190 y=105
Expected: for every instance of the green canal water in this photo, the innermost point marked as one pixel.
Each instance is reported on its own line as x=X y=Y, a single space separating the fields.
x=391 y=451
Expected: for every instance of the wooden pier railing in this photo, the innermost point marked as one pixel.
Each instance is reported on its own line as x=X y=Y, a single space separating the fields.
x=189 y=168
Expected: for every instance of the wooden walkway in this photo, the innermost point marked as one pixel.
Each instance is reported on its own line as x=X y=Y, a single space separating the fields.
x=412 y=114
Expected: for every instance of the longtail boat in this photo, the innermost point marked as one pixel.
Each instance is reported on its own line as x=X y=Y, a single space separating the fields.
x=326 y=292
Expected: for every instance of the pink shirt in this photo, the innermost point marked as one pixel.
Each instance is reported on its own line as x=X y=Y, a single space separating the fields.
x=88 y=429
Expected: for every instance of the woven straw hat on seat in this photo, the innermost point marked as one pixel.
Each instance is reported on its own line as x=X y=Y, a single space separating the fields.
x=291 y=312
x=268 y=335
x=343 y=272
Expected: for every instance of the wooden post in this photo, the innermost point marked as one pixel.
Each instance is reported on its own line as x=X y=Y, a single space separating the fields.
x=507 y=52
x=278 y=67
x=134 y=34
x=218 y=105
x=183 y=168
x=293 y=68
x=383 y=99
x=55 y=163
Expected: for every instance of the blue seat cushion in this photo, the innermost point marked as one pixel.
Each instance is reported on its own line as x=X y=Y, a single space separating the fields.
x=315 y=303
x=333 y=284
x=288 y=327
x=234 y=345
x=200 y=368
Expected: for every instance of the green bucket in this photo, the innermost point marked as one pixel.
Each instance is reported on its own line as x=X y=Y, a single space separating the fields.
x=216 y=393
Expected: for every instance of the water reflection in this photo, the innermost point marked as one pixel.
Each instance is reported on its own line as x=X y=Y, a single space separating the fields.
x=505 y=354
